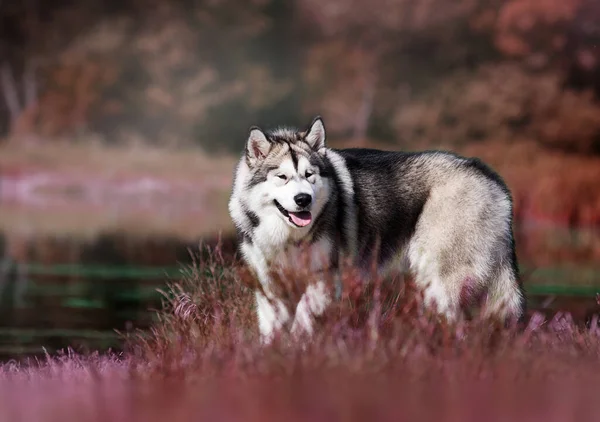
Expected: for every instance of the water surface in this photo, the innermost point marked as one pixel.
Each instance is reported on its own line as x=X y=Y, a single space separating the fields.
x=58 y=291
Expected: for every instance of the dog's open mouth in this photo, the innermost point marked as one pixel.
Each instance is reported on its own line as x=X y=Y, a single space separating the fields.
x=299 y=218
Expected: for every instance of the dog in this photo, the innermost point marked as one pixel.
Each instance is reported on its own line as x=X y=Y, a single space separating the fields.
x=444 y=218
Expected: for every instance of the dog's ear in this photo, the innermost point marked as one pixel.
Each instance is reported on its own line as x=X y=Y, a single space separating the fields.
x=315 y=135
x=257 y=146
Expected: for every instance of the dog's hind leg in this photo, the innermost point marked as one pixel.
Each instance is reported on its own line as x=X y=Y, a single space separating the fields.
x=438 y=295
x=505 y=298
x=434 y=282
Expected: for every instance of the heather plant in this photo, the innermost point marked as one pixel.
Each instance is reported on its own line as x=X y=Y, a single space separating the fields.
x=213 y=310
x=377 y=354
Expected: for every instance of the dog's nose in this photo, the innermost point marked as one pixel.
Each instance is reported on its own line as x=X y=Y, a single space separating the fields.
x=303 y=199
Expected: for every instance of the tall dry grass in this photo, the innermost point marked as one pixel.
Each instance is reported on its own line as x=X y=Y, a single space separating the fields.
x=377 y=355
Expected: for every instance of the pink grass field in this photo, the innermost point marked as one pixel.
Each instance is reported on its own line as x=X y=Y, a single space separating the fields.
x=376 y=357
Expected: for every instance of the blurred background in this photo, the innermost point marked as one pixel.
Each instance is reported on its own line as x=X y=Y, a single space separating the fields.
x=121 y=121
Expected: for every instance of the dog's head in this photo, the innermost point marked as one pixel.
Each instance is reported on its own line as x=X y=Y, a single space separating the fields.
x=287 y=174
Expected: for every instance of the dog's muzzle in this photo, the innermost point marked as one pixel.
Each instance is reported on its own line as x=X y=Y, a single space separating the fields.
x=297 y=218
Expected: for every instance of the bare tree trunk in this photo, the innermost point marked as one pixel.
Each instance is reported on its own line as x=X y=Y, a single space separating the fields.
x=11 y=94
x=29 y=83
x=365 y=109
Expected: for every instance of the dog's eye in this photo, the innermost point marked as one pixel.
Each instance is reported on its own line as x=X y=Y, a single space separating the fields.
x=282 y=176
x=308 y=174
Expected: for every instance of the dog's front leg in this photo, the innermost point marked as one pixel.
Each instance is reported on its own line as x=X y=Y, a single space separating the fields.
x=272 y=315
x=313 y=303
x=271 y=312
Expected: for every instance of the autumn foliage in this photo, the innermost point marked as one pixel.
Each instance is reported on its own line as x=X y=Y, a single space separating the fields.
x=178 y=72
x=404 y=74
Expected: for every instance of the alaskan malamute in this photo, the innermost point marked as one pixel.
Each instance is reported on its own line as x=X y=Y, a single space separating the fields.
x=445 y=219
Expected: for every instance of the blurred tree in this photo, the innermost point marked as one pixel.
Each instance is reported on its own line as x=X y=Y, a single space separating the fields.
x=20 y=29
x=500 y=102
x=534 y=29
x=179 y=72
x=183 y=72
x=365 y=34
x=261 y=62
x=582 y=49
x=33 y=33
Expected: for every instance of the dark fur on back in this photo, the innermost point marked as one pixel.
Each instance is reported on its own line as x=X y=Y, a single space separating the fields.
x=381 y=229
x=377 y=205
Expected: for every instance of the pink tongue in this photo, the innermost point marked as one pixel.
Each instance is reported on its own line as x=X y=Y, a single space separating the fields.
x=302 y=218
